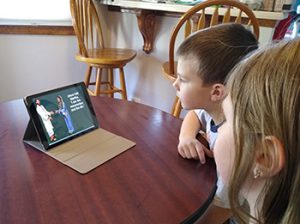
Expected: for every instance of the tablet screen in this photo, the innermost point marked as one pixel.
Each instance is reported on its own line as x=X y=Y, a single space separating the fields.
x=61 y=114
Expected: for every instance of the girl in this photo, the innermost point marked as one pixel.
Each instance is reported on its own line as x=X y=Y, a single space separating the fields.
x=257 y=151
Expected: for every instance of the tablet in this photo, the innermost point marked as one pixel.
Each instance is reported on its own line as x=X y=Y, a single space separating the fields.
x=61 y=114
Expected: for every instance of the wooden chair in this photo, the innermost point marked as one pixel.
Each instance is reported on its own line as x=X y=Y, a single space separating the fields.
x=203 y=15
x=93 y=52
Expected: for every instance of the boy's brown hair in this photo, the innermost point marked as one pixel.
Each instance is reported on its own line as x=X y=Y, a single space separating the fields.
x=218 y=49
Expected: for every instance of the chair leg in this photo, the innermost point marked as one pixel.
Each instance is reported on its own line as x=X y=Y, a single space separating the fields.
x=176 y=110
x=111 y=81
x=123 y=84
x=174 y=105
x=98 y=81
x=88 y=76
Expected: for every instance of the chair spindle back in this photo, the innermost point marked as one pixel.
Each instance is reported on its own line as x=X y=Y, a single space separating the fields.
x=207 y=14
x=86 y=25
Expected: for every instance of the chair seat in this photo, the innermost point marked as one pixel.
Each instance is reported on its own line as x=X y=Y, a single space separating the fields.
x=107 y=56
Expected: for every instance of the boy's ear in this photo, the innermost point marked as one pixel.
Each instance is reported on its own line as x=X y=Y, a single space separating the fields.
x=271 y=161
x=218 y=92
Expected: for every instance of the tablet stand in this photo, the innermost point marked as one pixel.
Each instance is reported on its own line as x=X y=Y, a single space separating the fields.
x=31 y=136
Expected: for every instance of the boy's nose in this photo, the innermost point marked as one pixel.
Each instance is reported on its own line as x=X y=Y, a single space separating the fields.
x=175 y=84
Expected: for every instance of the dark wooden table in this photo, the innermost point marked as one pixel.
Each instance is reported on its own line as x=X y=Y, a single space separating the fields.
x=149 y=183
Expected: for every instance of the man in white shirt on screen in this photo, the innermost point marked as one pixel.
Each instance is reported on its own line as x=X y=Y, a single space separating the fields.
x=46 y=118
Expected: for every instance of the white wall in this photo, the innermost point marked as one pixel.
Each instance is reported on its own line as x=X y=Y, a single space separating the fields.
x=34 y=63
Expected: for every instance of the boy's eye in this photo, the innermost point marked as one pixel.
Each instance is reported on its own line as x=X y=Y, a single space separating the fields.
x=181 y=79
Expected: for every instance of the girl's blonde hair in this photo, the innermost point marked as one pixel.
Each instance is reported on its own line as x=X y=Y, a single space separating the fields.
x=265 y=93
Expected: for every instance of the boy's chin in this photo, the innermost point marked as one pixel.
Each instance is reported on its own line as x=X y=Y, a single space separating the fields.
x=186 y=107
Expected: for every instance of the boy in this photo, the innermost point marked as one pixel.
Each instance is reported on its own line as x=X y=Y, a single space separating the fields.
x=204 y=60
